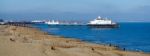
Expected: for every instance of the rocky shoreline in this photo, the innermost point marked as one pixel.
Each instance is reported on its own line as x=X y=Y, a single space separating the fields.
x=26 y=41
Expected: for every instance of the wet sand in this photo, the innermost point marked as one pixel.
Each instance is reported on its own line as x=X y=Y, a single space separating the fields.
x=25 y=41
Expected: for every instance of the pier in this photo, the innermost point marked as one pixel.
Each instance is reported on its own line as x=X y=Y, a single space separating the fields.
x=22 y=24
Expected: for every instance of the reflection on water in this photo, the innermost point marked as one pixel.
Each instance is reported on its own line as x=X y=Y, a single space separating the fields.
x=102 y=28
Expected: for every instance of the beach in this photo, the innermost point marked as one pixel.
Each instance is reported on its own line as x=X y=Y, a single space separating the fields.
x=27 y=41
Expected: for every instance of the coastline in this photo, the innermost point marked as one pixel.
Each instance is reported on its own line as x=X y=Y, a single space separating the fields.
x=26 y=41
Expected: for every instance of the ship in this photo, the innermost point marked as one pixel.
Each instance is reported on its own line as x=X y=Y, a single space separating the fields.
x=102 y=23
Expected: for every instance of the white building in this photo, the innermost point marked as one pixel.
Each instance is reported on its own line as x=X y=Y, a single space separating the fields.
x=52 y=22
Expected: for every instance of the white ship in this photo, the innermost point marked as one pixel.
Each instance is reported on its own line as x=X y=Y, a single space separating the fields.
x=52 y=22
x=102 y=22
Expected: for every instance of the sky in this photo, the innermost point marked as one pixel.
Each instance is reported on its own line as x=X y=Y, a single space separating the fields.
x=81 y=10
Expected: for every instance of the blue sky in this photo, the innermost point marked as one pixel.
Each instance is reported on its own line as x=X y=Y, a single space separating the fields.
x=117 y=10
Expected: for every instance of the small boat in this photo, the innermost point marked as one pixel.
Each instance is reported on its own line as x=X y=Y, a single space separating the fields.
x=102 y=23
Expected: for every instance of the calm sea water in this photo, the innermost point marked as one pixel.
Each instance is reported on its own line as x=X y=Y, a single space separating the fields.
x=131 y=36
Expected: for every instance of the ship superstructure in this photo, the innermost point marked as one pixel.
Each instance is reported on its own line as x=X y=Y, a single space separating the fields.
x=102 y=22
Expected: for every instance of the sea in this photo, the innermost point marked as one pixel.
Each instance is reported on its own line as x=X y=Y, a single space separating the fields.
x=129 y=36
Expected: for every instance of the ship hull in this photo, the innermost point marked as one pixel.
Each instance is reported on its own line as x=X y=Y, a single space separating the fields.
x=103 y=25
